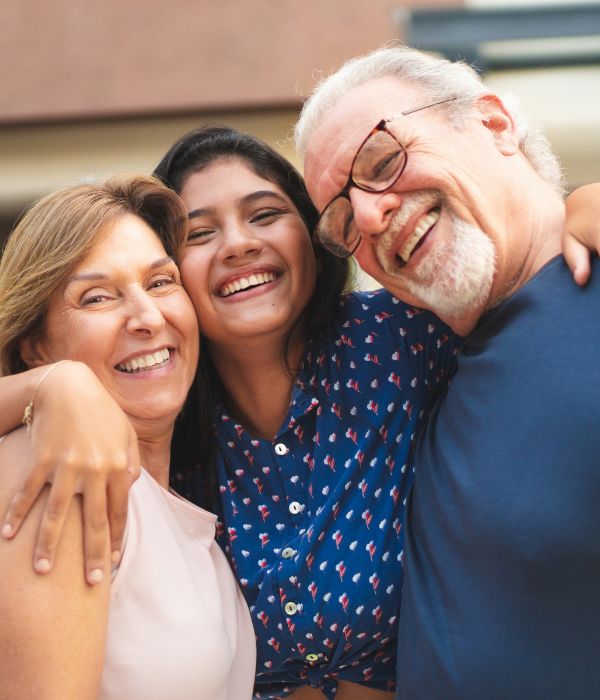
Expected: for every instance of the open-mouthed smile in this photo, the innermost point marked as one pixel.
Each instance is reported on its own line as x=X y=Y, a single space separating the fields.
x=248 y=282
x=147 y=361
x=418 y=235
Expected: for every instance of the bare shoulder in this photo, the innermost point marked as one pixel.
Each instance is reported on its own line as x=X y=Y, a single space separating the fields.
x=68 y=616
x=15 y=463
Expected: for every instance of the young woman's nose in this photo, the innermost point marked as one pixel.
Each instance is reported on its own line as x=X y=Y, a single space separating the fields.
x=373 y=211
x=239 y=241
x=145 y=315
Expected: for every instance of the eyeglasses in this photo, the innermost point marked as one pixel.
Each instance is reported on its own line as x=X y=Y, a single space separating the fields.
x=377 y=165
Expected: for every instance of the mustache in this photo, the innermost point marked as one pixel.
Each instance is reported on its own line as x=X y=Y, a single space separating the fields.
x=411 y=204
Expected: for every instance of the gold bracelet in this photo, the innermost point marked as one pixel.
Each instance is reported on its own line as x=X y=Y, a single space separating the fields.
x=27 y=419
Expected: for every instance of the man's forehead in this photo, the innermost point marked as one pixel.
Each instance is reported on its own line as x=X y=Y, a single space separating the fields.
x=345 y=126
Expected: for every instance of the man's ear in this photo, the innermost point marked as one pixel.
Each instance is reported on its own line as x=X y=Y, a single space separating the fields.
x=500 y=123
x=33 y=352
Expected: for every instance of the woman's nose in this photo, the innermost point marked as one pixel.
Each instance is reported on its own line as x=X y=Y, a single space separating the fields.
x=145 y=315
x=238 y=242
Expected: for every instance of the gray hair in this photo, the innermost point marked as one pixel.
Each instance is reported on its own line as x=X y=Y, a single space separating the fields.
x=440 y=80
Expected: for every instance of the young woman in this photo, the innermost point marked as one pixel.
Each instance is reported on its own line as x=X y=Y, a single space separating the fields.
x=89 y=275
x=306 y=407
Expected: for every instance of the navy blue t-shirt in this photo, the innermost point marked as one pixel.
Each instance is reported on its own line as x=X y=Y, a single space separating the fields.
x=501 y=598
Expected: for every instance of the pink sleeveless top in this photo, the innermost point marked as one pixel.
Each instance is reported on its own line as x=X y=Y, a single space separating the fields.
x=178 y=625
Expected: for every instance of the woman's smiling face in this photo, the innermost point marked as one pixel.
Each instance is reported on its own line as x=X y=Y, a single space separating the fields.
x=249 y=265
x=124 y=312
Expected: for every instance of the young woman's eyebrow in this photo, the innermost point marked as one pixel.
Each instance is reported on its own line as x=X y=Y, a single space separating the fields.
x=246 y=199
x=202 y=211
x=261 y=194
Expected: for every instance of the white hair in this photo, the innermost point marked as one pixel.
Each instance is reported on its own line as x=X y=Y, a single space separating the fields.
x=439 y=79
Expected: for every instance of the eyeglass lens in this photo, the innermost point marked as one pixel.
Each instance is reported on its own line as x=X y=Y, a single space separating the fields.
x=378 y=163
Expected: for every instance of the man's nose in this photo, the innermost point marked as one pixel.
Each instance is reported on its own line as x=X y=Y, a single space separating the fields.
x=373 y=210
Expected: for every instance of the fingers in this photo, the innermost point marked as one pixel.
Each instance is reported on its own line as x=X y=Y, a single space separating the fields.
x=117 y=497
x=52 y=523
x=95 y=531
x=21 y=503
x=118 y=494
x=133 y=457
x=578 y=259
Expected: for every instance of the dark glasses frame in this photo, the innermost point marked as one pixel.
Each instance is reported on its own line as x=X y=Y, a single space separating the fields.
x=333 y=246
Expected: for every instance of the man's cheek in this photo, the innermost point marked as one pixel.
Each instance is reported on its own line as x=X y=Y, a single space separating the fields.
x=368 y=261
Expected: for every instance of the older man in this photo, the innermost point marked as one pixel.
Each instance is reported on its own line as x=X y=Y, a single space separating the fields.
x=449 y=200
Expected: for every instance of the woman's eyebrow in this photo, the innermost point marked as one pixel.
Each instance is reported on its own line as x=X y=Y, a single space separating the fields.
x=166 y=260
x=202 y=211
x=86 y=276
x=95 y=276
x=261 y=194
x=246 y=199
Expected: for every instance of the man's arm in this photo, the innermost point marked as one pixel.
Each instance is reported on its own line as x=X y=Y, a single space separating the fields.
x=81 y=442
x=582 y=230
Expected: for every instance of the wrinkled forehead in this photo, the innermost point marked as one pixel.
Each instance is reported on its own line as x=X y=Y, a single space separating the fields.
x=333 y=144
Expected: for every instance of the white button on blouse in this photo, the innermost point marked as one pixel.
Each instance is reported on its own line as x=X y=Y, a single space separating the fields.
x=281 y=449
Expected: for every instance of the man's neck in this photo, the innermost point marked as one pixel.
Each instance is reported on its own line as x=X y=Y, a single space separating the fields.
x=534 y=239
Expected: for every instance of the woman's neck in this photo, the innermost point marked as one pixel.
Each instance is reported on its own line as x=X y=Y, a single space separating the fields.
x=154 y=444
x=257 y=384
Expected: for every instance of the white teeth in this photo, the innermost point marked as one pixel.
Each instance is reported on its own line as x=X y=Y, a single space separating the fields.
x=145 y=361
x=423 y=225
x=244 y=282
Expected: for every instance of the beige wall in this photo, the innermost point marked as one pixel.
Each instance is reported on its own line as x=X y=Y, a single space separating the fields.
x=38 y=159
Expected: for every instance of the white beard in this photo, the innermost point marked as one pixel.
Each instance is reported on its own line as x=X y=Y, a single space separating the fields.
x=456 y=276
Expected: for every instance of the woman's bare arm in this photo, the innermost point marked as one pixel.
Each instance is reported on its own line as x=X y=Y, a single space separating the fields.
x=81 y=442
x=53 y=628
x=582 y=230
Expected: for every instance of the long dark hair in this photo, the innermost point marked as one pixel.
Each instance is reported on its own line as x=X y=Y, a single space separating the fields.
x=193 y=452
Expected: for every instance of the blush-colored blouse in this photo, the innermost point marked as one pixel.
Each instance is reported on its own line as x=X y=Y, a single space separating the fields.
x=178 y=625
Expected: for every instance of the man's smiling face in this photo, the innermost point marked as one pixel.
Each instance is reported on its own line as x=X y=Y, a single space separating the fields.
x=423 y=238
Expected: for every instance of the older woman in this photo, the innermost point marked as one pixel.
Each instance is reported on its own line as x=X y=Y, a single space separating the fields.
x=90 y=275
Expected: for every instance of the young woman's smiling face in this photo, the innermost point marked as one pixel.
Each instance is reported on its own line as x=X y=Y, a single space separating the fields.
x=249 y=266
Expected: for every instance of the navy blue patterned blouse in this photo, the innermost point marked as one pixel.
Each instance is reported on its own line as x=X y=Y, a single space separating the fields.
x=312 y=520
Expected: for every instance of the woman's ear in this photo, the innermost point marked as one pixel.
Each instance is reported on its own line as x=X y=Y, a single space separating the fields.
x=32 y=352
x=499 y=121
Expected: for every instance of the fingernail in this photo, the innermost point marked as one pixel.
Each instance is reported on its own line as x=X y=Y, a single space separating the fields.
x=96 y=576
x=115 y=557
x=42 y=566
x=7 y=530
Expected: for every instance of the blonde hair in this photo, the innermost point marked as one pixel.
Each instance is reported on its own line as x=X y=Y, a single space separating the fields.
x=57 y=232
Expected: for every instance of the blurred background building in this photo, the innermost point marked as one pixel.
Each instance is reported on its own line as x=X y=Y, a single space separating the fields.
x=92 y=88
